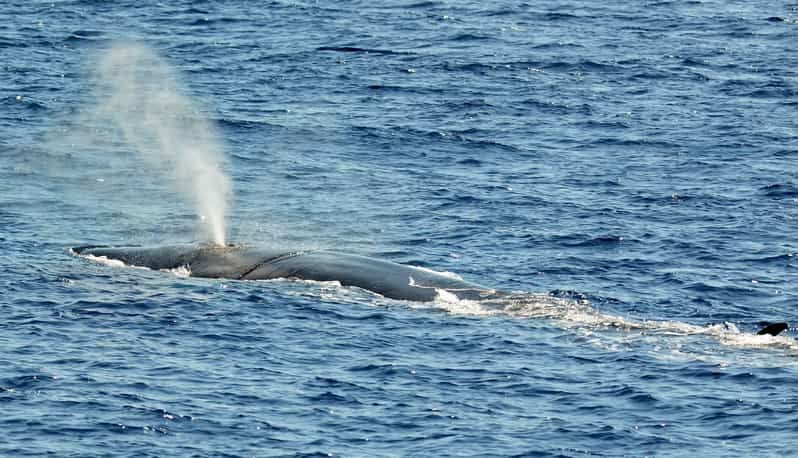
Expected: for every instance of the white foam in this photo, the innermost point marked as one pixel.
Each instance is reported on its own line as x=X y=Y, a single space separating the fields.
x=451 y=303
x=323 y=284
x=182 y=271
x=583 y=318
x=105 y=260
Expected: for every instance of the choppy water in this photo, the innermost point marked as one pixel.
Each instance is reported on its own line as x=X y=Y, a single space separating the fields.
x=630 y=166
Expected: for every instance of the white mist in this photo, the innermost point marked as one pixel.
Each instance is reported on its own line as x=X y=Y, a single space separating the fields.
x=142 y=95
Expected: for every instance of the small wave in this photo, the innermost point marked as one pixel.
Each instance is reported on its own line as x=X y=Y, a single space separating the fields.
x=779 y=190
x=390 y=88
x=707 y=288
x=782 y=19
x=25 y=102
x=194 y=10
x=242 y=124
x=384 y=370
x=424 y=136
x=771 y=89
x=88 y=33
x=655 y=74
x=776 y=259
x=501 y=12
x=470 y=37
x=584 y=65
x=24 y=382
x=328 y=397
x=583 y=240
x=631 y=142
x=356 y=49
x=557 y=45
x=558 y=16
x=694 y=62
x=605 y=125
x=86 y=37
x=775 y=91
x=551 y=107
x=418 y=5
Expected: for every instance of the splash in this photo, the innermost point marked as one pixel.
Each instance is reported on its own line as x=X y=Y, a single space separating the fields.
x=143 y=97
x=580 y=315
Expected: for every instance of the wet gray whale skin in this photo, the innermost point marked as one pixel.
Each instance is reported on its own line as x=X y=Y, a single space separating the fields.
x=389 y=279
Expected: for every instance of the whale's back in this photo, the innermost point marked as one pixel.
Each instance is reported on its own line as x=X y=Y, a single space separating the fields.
x=387 y=278
x=390 y=279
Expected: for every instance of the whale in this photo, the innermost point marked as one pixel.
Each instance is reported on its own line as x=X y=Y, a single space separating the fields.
x=245 y=262
x=242 y=262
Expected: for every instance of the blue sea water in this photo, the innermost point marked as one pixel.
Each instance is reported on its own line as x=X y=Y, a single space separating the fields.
x=629 y=166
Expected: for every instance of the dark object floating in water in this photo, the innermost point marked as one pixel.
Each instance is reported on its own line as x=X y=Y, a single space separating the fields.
x=773 y=329
x=775 y=19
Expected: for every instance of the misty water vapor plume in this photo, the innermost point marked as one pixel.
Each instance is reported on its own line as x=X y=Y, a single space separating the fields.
x=143 y=97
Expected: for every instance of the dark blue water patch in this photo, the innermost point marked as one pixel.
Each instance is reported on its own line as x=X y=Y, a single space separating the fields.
x=423 y=5
x=786 y=259
x=470 y=37
x=559 y=16
x=604 y=124
x=633 y=142
x=549 y=106
x=244 y=124
x=195 y=10
x=470 y=162
x=695 y=62
x=331 y=399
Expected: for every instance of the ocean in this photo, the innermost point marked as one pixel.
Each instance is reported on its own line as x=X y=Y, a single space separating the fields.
x=627 y=168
